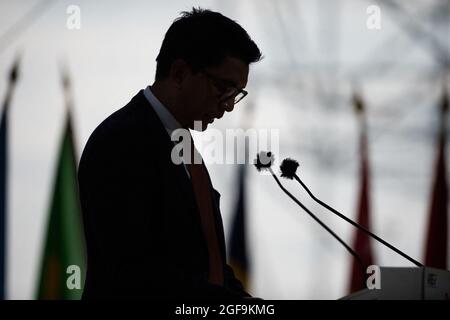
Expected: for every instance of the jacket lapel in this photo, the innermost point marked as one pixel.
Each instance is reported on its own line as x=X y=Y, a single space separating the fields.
x=179 y=175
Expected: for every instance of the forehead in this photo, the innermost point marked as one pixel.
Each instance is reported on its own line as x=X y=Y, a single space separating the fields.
x=232 y=70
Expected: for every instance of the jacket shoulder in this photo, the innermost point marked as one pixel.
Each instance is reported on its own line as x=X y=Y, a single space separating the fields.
x=133 y=127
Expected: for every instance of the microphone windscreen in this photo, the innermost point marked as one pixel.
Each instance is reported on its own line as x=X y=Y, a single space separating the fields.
x=288 y=168
x=264 y=160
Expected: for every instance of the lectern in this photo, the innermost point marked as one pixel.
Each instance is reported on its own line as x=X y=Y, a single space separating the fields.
x=398 y=283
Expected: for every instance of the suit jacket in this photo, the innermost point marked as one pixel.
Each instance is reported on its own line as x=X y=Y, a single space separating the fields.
x=141 y=221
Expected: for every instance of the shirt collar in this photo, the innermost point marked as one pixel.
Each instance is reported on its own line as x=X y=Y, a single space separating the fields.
x=168 y=120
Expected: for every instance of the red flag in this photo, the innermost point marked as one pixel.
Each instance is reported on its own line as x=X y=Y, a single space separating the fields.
x=436 y=245
x=361 y=242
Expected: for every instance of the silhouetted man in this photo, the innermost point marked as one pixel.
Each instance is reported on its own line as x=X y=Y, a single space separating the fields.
x=153 y=228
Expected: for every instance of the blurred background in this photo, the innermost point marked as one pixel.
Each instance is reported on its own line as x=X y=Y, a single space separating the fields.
x=393 y=55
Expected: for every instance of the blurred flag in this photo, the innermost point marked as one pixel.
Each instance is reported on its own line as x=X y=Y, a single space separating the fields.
x=436 y=243
x=362 y=243
x=238 y=249
x=63 y=262
x=3 y=175
x=238 y=254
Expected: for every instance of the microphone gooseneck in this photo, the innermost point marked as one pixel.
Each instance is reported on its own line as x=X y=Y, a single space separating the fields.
x=352 y=252
x=266 y=165
x=288 y=168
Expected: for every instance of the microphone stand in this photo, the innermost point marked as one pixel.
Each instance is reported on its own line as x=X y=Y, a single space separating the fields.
x=357 y=225
x=352 y=252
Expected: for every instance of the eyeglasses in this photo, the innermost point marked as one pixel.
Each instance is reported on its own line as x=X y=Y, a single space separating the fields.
x=226 y=88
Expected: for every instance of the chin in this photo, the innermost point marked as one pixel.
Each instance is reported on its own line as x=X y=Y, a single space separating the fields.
x=196 y=127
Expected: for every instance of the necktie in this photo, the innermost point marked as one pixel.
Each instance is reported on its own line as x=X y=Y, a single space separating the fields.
x=203 y=196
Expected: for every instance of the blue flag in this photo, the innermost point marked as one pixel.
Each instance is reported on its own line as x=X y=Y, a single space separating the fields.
x=238 y=254
x=3 y=176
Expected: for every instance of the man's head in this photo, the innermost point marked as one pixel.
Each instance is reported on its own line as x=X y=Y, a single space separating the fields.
x=203 y=63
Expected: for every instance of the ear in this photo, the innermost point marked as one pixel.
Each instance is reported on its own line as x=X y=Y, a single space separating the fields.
x=179 y=70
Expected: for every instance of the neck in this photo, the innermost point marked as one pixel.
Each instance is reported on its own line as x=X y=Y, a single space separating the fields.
x=167 y=96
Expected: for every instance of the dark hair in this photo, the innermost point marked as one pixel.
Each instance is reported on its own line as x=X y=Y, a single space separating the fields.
x=204 y=38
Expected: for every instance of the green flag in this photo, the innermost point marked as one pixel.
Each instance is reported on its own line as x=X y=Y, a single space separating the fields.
x=63 y=264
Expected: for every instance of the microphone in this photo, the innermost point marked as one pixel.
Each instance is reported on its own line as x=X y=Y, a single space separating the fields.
x=288 y=170
x=264 y=162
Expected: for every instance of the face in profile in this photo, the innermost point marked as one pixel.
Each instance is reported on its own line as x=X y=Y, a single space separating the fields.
x=208 y=94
